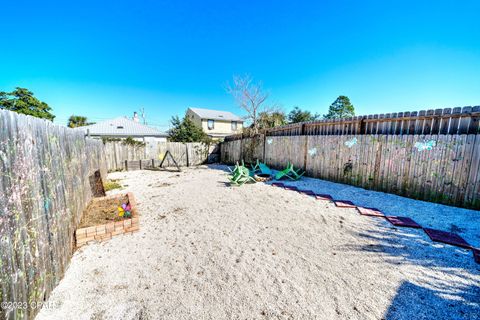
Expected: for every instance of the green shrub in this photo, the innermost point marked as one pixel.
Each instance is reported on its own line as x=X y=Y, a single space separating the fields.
x=111 y=185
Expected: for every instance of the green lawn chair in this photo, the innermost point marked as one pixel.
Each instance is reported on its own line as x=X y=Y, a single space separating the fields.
x=241 y=176
x=256 y=167
x=262 y=168
x=289 y=172
x=236 y=168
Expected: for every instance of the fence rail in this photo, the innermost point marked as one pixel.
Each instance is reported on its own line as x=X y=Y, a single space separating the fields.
x=439 y=121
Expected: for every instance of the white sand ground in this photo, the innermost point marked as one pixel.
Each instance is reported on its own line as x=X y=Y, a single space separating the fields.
x=210 y=251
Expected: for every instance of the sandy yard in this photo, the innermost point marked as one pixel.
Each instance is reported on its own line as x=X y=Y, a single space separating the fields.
x=206 y=250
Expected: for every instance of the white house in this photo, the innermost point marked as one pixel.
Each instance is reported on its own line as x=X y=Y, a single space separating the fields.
x=217 y=124
x=122 y=127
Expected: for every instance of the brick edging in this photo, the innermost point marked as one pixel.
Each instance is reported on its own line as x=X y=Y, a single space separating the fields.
x=106 y=231
x=475 y=251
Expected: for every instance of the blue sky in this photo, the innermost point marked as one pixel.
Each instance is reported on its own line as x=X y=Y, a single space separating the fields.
x=104 y=59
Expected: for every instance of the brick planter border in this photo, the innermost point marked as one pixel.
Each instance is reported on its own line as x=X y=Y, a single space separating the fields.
x=106 y=231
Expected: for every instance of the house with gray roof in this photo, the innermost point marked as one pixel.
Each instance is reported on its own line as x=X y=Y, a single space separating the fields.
x=217 y=124
x=123 y=127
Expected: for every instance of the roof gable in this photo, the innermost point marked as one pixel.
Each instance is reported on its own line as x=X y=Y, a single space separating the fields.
x=122 y=126
x=216 y=114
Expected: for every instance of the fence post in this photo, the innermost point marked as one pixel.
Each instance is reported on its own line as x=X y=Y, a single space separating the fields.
x=140 y=162
x=144 y=148
x=305 y=153
x=362 y=125
x=186 y=150
x=115 y=156
x=264 y=145
x=153 y=163
x=126 y=165
x=241 y=149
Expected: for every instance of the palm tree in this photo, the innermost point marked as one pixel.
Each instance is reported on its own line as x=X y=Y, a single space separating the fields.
x=78 y=121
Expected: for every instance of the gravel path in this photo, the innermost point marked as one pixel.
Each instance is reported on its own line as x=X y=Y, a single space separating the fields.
x=209 y=251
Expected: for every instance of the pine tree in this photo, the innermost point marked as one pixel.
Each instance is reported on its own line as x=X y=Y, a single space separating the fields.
x=340 y=108
x=186 y=130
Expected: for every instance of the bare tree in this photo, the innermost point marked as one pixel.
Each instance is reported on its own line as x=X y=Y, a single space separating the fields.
x=249 y=96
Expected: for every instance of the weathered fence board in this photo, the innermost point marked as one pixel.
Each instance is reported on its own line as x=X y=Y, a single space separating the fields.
x=186 y=154
x=44 y=187
x=117 y=152
x=231 y=152
x=447 y=121
x=281 y=150
x=131 y=165
x=438 y=168
x=252 y=148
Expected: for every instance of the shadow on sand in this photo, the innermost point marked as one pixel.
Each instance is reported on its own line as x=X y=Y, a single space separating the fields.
x=418 y=302
x=220 y=167
x=445 y=294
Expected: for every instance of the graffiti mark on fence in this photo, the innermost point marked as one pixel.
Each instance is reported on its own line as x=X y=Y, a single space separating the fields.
x=350 y=143
x=425 y=145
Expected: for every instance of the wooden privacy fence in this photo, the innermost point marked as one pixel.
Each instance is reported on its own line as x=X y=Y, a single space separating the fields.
x=117 y=152
x=439 y=121
x=186 y=154
x=438 y=168
x=131 y=165
x=44 y=188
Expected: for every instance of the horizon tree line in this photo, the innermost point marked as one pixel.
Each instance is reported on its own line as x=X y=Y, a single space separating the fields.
x=248 y=94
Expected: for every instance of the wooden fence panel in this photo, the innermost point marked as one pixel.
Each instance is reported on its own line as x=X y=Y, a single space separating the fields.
x=45 y=186
x=437 y=168
x=440 y=121
x=281 y=150
x=186 y=154
x=231 y=151
x=197 y=153
x=116 y=152
x=473 y=181
x=178 y=151
x=253 y=149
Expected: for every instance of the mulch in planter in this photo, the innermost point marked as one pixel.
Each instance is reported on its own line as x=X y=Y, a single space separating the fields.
x=102 y=210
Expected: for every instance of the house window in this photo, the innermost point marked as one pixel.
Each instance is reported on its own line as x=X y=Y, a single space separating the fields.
x=234 y=125
x=211 y=124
